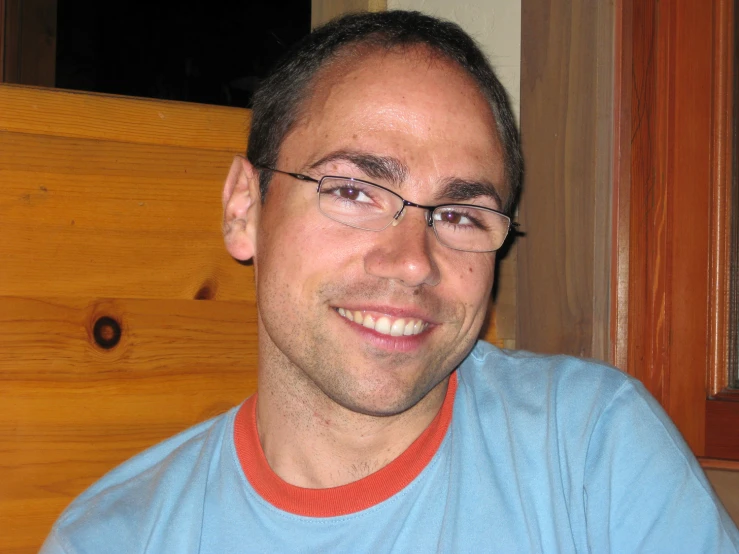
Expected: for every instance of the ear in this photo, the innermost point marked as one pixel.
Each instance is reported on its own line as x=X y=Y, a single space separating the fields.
x=241 y=205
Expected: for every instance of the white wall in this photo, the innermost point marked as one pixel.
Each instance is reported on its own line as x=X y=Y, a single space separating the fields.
x=495 y=24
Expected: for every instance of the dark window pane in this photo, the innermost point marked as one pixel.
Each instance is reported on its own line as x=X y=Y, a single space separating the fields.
x=209 y=52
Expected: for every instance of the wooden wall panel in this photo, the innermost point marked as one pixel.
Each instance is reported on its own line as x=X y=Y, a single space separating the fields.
x=96 y=213
x=72 y=410
x=110 y=208
x=564 y=258
x=106 y=117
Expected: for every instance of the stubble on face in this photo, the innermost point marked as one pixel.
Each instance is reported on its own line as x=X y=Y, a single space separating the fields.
x=315 y=357
x=311 y=356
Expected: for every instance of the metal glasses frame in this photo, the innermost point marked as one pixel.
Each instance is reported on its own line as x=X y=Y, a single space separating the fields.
x=396 y=218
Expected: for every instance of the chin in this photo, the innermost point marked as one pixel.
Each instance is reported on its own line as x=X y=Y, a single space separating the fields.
x=391 y=400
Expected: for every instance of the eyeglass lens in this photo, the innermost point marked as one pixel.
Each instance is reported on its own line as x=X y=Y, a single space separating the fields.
x=366 y=206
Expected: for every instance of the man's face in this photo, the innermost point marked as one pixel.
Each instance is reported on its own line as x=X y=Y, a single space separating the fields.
x=427 y=121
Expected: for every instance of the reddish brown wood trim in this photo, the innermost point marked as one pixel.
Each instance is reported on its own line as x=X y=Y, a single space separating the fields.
x=722 y=411
x=689 y=229
x=713 y=463
x=727 y=395
x=722 y=150
x=722 y=434
x=650 y=107
x=674 y=169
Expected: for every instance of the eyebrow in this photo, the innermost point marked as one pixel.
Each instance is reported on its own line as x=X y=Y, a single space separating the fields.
x=392 y=170
x=461 y=190
x=384 y=168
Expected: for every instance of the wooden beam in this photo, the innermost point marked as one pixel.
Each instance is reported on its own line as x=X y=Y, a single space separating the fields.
x=323 y=11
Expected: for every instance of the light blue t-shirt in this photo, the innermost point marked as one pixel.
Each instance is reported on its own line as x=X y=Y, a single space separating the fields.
x=543 y=454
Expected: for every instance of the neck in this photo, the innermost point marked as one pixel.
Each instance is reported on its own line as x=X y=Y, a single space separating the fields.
x=312 y=442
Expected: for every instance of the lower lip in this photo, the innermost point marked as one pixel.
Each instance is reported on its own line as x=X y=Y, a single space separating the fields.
x=387 y=342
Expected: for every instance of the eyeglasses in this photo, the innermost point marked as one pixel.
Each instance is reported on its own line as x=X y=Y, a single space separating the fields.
x=370 y=207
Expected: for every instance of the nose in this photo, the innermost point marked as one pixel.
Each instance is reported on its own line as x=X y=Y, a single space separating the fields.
x=404 y=252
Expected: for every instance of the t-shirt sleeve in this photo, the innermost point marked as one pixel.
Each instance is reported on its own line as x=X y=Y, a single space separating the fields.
x=52 y=545
x=643 y=489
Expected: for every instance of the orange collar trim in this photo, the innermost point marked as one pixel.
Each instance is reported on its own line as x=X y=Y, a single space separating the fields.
x=345 y=499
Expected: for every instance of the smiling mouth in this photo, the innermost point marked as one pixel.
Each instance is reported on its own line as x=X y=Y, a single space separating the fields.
x=395 y=327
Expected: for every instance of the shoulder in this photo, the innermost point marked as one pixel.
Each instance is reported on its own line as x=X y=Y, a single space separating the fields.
x=545 y=407
x=163 y=481
x=591 y=404
x=635 y=482
x=528 y=379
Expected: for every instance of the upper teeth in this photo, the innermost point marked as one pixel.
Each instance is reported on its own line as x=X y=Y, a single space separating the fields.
x=384 y=324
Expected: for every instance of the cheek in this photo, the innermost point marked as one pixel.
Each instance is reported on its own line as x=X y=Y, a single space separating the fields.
x=303 y=250
x=472 y=279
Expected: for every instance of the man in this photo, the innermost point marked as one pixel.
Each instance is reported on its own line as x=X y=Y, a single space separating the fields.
x=382 y=163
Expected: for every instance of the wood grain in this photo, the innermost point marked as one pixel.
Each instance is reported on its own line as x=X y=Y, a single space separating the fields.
x=110 y=207
x=722 y=150
x=563 y=261
x=722 y=438
x=650 y=105
x=112 y=219
x=722 y=413
x=130 y=120
x=679 y=161
x=72 y=411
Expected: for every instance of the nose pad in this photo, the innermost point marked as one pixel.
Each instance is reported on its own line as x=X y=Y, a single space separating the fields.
x=399 y=217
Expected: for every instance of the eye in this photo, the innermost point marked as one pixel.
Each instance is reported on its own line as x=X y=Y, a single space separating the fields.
x=456 y=218
x=350 y=193
x=453 y=218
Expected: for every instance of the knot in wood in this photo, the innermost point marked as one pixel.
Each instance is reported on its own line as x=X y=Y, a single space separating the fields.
x=106 y=332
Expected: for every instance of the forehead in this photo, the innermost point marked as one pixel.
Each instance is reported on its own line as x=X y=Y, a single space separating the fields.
x=404 y=103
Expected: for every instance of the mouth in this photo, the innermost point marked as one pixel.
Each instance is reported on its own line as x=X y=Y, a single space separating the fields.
x=384 y=324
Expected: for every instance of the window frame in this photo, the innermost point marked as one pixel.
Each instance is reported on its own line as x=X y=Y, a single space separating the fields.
x=672 y=214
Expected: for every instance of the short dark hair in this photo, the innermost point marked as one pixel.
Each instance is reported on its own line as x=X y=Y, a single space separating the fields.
x=277 y=104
